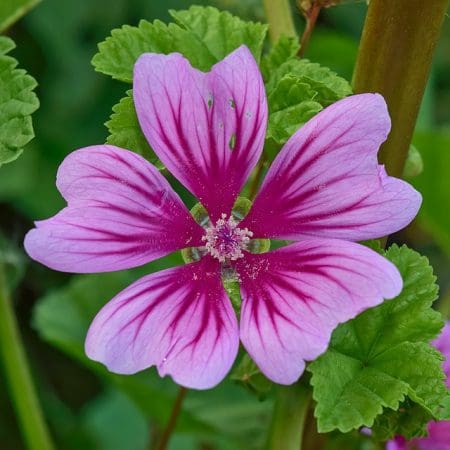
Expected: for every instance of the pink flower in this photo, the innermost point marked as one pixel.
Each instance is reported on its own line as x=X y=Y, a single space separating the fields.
x=438 y=432
x=324 y=190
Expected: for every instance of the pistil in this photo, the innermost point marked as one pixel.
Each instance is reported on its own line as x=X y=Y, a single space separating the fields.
x=225 y=240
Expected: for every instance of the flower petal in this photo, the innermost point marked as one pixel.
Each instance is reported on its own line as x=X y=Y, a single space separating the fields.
x=438 y=437
x=180 y=320
x=121 y=213
x=208 y=129
x=326 y=181
x=442 y=343
x=295 y=296
x=399 y=443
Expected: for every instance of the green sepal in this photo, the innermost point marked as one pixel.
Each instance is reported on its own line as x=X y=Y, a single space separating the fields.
x=413 y=163
x=249 y=376
x=200 y=215
x=231 y=285
x=241 y=208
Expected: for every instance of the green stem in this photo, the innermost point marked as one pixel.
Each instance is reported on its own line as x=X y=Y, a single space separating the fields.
x=288 y=418
x=170 y=427
x=17 y=373
x=394 y=59
x=279 y=17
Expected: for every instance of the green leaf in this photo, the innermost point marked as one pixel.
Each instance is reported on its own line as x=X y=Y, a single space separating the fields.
x=381 y=357
x=220 y=32
x=17 y=103
x=375 y=245
x=12 y=10
x=434 y=184
x=202 y=35
x=297 y=90
x=328 y=86
x=445 y=413
x=409 y=421
x=284 y=49
x=290 y=104
x=118 y=53
x=125 y=131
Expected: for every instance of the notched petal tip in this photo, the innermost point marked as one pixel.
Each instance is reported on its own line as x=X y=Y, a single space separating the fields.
x=179 y=320
x=121 y=213
x=294 y=297
x=326 y=181
x=207 y=128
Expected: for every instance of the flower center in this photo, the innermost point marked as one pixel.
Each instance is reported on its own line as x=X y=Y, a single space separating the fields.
x=225 y=240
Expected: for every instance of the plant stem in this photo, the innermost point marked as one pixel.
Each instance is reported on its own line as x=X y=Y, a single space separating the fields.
x=311 y=19
x=288 y=418
x=170 y=427
x=279 y=17
x=394 y=59
x=17 y=374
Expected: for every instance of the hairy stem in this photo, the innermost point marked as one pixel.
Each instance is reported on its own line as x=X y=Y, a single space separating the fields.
x=288 y=418
x=279 y=17
x=170 y=427
x=18 y=377
x=394 y=59
x=311 y=19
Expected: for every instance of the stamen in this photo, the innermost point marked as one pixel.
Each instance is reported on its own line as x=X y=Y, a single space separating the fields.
x=226 y=241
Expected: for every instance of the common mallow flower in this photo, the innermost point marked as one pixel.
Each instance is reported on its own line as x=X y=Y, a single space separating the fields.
x=438 y=432
x=324 y=191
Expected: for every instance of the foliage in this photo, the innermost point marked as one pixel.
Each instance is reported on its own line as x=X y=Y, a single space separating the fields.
x=17 y=102
x=87 y=406
x=296 y=89
x=12 y=10
x=383 y=355
x=198 y=35
x=124 y=128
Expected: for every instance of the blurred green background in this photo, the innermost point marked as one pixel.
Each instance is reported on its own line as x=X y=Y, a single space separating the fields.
x=86 y=407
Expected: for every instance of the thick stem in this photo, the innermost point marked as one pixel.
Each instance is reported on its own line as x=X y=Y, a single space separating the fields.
x=288 y=419
x=394 y=59
x=279 y=17
x=170 y=427
x=17 y=374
